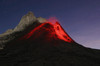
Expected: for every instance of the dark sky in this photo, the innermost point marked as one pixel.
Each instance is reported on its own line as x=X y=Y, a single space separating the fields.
x=80 y=18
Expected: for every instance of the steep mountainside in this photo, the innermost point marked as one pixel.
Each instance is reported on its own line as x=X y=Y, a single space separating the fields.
x=38 y=42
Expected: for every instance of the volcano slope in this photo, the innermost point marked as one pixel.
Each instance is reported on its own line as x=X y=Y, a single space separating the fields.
x=37 y=42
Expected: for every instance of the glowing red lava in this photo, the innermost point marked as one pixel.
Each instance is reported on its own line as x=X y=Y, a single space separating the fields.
x=61 y=33
x=48 y=31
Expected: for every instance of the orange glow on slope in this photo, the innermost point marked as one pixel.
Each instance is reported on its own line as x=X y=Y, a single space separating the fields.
x=61 y=33
x=48 y=31
x=32 y=32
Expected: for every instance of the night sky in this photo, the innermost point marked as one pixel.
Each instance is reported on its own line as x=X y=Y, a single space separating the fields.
x=79 y=18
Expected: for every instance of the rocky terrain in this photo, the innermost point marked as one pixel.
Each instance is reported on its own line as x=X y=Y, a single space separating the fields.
x=37 y=42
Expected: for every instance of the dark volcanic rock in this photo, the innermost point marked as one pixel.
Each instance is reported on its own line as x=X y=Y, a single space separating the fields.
x=34 y=43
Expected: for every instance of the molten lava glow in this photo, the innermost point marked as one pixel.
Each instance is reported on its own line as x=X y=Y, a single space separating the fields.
x=32 y=32
x=61 y=33
x=48 y=30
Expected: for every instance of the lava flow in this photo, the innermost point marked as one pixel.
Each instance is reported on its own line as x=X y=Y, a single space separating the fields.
x=61 y=33
x=48 y=31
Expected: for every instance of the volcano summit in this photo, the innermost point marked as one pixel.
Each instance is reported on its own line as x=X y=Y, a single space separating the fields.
x=39 y=42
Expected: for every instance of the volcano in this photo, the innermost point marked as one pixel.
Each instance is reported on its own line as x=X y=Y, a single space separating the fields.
x=39 y=42
x=48 y=31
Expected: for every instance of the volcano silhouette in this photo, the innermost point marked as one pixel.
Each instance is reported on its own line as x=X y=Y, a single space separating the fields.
x=38 y=42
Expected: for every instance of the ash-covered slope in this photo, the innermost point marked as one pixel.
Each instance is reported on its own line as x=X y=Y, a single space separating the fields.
x=37 y=42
